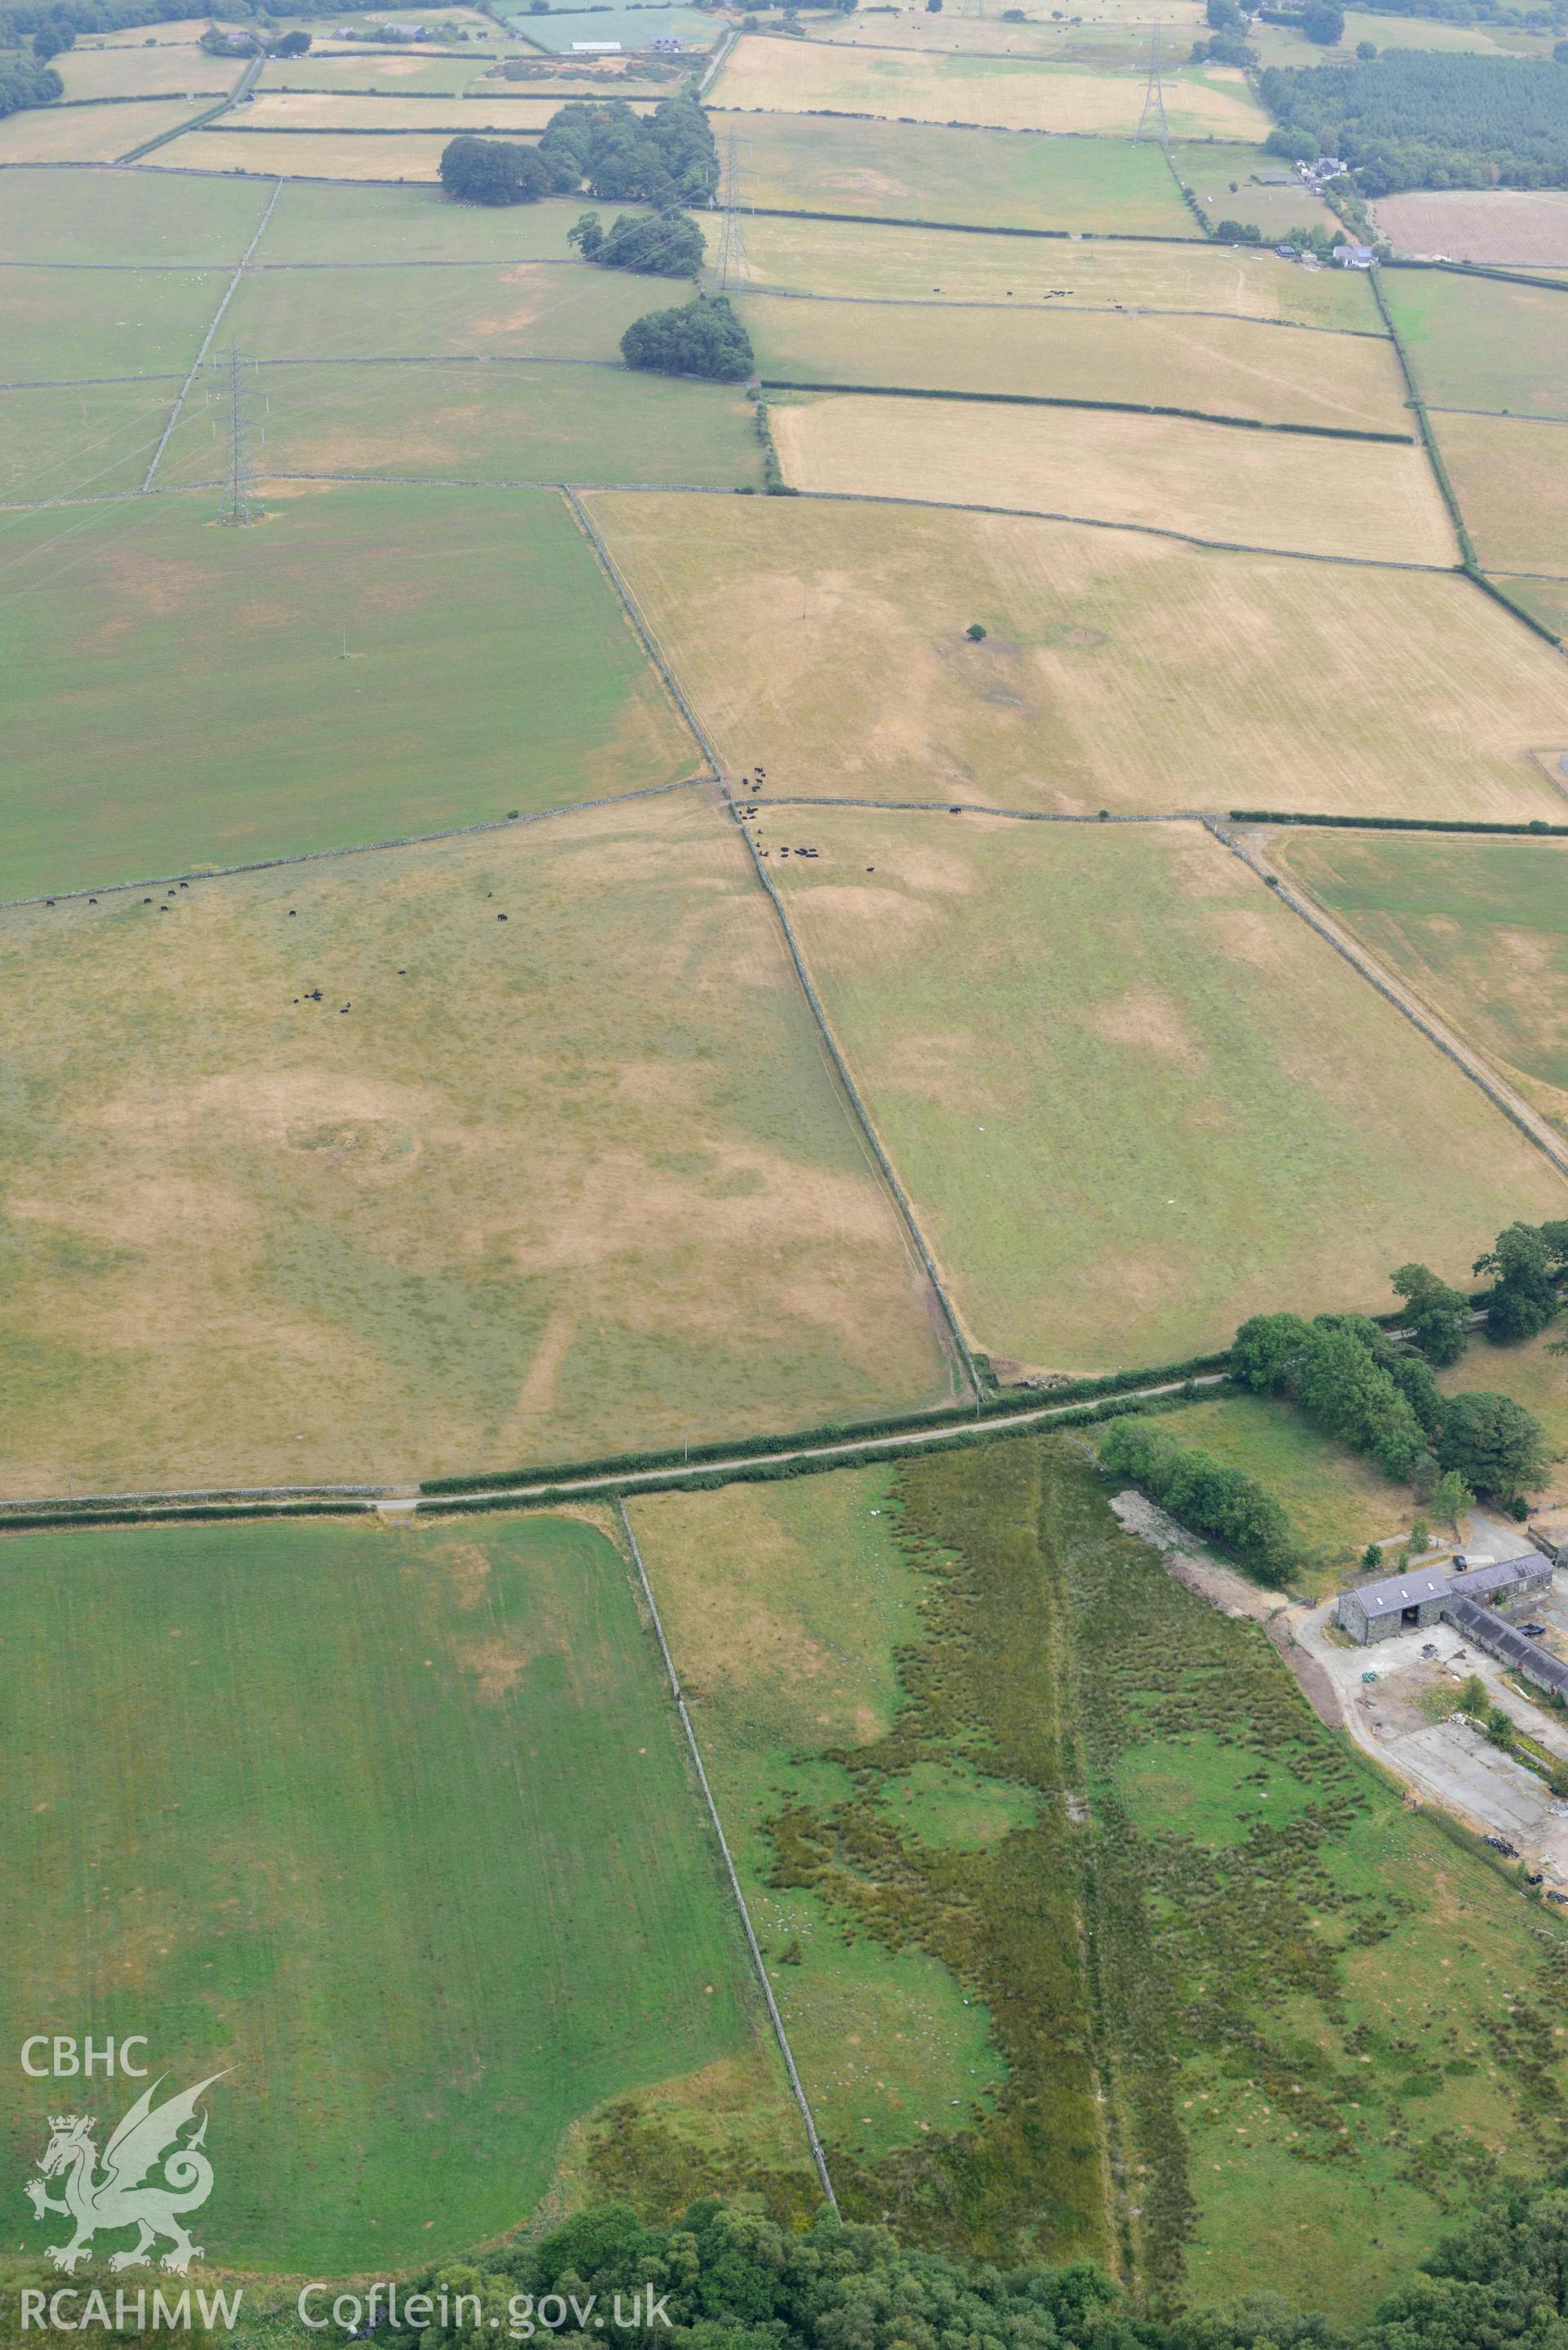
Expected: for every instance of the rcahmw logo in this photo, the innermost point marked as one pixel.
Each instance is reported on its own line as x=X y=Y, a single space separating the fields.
x=152 y=2174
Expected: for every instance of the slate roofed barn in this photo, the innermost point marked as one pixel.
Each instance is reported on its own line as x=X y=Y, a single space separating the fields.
x=1377 y=1610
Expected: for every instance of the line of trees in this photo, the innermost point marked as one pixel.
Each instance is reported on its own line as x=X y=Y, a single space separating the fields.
x=1426 y=119
x=21 y=20
x=1206 y=1494
x=1380 y=1397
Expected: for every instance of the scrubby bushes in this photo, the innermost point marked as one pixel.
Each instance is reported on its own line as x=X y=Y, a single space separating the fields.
x=703 y=337
x=1223 y=1503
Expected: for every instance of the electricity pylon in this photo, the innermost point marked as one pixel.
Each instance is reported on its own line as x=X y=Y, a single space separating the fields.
x=733 y=268
x=1152 y=119
x=242 y=500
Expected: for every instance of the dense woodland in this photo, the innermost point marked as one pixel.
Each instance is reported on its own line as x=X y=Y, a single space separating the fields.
x=1422 y=118
x=733 y=2280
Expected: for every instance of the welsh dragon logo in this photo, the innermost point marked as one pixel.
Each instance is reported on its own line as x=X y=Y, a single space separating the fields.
x=124 y=2194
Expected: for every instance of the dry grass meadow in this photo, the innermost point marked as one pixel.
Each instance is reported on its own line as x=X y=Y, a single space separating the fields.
x=1133 y=1097
x=1120 y=670
x=348 y=226
x=1477 y=929
x=60 y=215
x=892 y=264
x=89 y=134
x=1251 y=489
x=327 y=109
x=1497 y=224
x=1510 y=478
x=802 y=77
x=979 y=179
x=535 y=308
x=163 y=71
x=1219 y=367
x=412 y=155
x=569 y=1183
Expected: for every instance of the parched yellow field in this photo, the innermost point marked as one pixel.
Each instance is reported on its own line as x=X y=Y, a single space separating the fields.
x=827 y=642
x=301 y=155
x=1217 y=367
x=847 y=259
x=561 y=1184
x=310 y=109
x=88 y=134
x=166 y=71
x=805 y=76
x=1511 y=482
x=1251 y=489
x=1133 y=1097
x=1131 y=21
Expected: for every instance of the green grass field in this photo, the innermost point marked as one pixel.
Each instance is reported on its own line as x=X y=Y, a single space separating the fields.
x=842 y=259
x=1124 y=1102
x=1535 y=1378
x=547 y=309
x=1474 y=343
x=162 y=71
x=415 y=1801
x=63 y=323
x=104 y=216
x=545 y=423
x=1479 y=930
x=226 y=146
x=1283 y=45
x=1295 y=2015
x=984 y=179
x=827 y=641
x=489 y=666
x=576 y=1184
x=87 y=442
x=1336 y=1502
x=1219 y=367
x=398 y=76
x=346 y=224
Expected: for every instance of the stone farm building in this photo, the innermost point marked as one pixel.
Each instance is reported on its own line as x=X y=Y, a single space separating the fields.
x=1423 y=1594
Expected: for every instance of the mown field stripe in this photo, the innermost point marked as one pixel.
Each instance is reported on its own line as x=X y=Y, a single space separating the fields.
x=207 y=339
x=819 y=2158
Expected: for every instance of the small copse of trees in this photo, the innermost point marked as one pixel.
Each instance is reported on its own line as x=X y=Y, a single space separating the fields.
x=492 y=171
x=660 y=244
x=703 y=337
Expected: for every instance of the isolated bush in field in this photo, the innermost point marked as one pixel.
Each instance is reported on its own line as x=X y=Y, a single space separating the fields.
x=492 y=171
x=704 y=338
x=1495 y=1445
x=1366 y=51
x=976 y=632
x=1499 y=1727
x=1323 y=23
x=293 y=45
x=1440 y=1316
